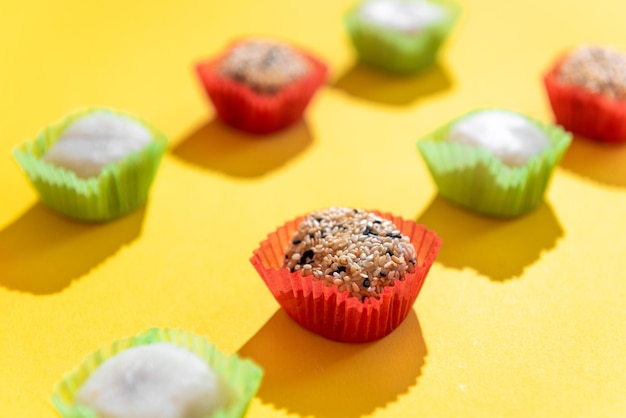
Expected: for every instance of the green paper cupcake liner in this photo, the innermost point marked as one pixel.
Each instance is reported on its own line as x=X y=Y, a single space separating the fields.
x=395 y=51
x=243 y=376
x=120 y=188
x=478 y=180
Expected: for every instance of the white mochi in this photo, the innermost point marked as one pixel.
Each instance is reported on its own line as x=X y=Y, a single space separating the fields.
x=401 y=15
x=509 y=136
x=94 y=141
x=154 y=381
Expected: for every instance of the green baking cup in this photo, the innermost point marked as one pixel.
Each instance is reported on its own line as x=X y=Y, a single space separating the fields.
x=478 y=180
x=243 y=376
x=120 y=188
x=396 y=51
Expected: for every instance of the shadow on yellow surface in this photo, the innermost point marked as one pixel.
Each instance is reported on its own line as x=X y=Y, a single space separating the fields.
x=368 y=83
x=42 y=252
x=216 y=146
x=602 y=162
x=497 y=248
x=310 y=375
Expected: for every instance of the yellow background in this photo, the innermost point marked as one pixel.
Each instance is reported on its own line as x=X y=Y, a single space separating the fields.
x=517 y=318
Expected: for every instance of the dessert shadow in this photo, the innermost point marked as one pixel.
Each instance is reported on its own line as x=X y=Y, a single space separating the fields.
x=218 y=147
x=312 y=376
x=498 y=248
x=42 y=252
x=371 y=84
x=599 y=161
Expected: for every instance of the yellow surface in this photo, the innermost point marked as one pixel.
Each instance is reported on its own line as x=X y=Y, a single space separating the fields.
x=521 y=318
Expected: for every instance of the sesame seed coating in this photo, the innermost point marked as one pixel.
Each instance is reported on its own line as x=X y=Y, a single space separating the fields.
x=355 y=250
x=264 y=66
x=596 y=69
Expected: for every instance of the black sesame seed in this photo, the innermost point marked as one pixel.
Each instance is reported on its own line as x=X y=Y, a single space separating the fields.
x=355 y=210
x=308 y=254
x=369 y=231
x=389 y=252
x=366 y=283
x=377 y=221
x=296 y=241
x=395 y=236
x=341 y=269
x=318 y=219
x=382 y=274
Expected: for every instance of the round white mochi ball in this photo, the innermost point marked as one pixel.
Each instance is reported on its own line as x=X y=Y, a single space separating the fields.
x=401 y=15
x=154 y=381
x=509 y=136
x=96 y=140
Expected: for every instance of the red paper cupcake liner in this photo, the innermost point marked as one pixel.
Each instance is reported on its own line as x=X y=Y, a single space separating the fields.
x=336 y=315
x=241 y=107
x=583 y=113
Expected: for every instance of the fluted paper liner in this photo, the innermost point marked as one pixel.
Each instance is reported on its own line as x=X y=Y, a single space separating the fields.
x=336 y=315
x=241 y=107
x=120 y=188
x=243 y=376
x=478 y=180
x=587 y=114
x=396 y=51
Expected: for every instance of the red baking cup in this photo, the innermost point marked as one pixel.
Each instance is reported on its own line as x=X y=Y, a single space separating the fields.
x=241 y=107
x=338 y=316
x=586 y=114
